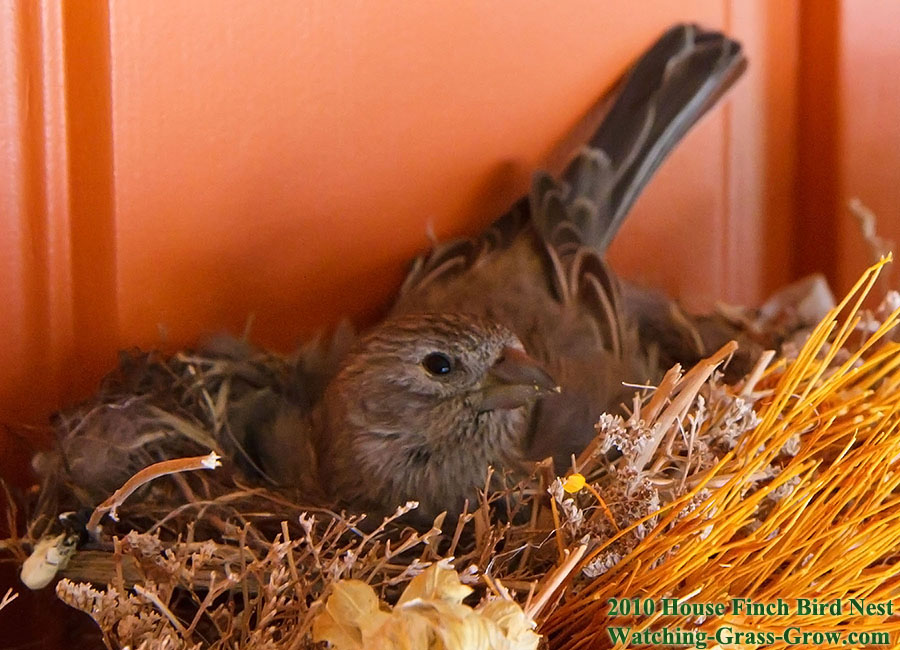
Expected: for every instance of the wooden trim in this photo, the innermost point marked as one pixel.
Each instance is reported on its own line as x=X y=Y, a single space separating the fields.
x=57 y=236
x=818 y=129
x=91 y=176
x=36 y=287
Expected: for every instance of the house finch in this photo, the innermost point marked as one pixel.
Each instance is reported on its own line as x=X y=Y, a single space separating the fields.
x=508 y=347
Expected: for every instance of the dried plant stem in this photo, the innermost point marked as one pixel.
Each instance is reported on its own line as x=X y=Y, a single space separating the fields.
x=163 y=468
x=163 y=609
x=555 y=579
x=8 y=597
x=685 y=391
x=758 y=369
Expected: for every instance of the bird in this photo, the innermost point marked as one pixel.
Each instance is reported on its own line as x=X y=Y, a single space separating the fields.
x=505 y=348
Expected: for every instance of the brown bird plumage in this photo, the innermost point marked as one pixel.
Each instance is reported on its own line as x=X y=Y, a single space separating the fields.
x=463 y=373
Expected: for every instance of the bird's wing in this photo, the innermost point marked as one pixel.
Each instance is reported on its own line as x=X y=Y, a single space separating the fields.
x=448 y=259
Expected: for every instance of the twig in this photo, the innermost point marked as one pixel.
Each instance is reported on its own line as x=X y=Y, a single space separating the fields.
x=558 y=527
x=753 y=378
x=8 y=597
x=685 y=391
x=555 y=580
x=163 y=468
x=289 y=551
x=165 y=611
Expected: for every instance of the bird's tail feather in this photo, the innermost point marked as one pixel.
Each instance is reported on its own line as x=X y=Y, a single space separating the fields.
x=669 y=88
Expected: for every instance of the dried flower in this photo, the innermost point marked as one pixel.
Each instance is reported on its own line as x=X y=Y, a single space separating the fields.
x=429 y=615
x=50 y=556
x=574 y=483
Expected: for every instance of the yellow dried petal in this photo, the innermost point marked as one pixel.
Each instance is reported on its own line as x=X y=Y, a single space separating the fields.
x=436 y=583
x=517 y=629
x=429 y=616
x=450 y=626
x=351 y=614
x=470 y=633
x=573 y=483
x=401 y=632
x=338 y=634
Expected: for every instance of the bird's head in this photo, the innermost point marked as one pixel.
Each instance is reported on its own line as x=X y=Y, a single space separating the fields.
x=422 y=406
x=434 y=375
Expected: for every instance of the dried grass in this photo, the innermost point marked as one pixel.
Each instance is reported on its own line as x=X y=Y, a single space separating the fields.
x=804 y=505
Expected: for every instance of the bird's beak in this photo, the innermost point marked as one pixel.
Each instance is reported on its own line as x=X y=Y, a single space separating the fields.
x=513 y=381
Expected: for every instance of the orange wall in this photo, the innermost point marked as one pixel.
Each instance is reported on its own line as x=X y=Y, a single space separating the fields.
x=171 y=168
x=868 y=126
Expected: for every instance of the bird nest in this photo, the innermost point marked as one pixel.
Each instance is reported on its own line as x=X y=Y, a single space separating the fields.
x=781 y=485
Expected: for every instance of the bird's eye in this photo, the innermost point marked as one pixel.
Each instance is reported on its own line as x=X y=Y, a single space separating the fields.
x=437 y=363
